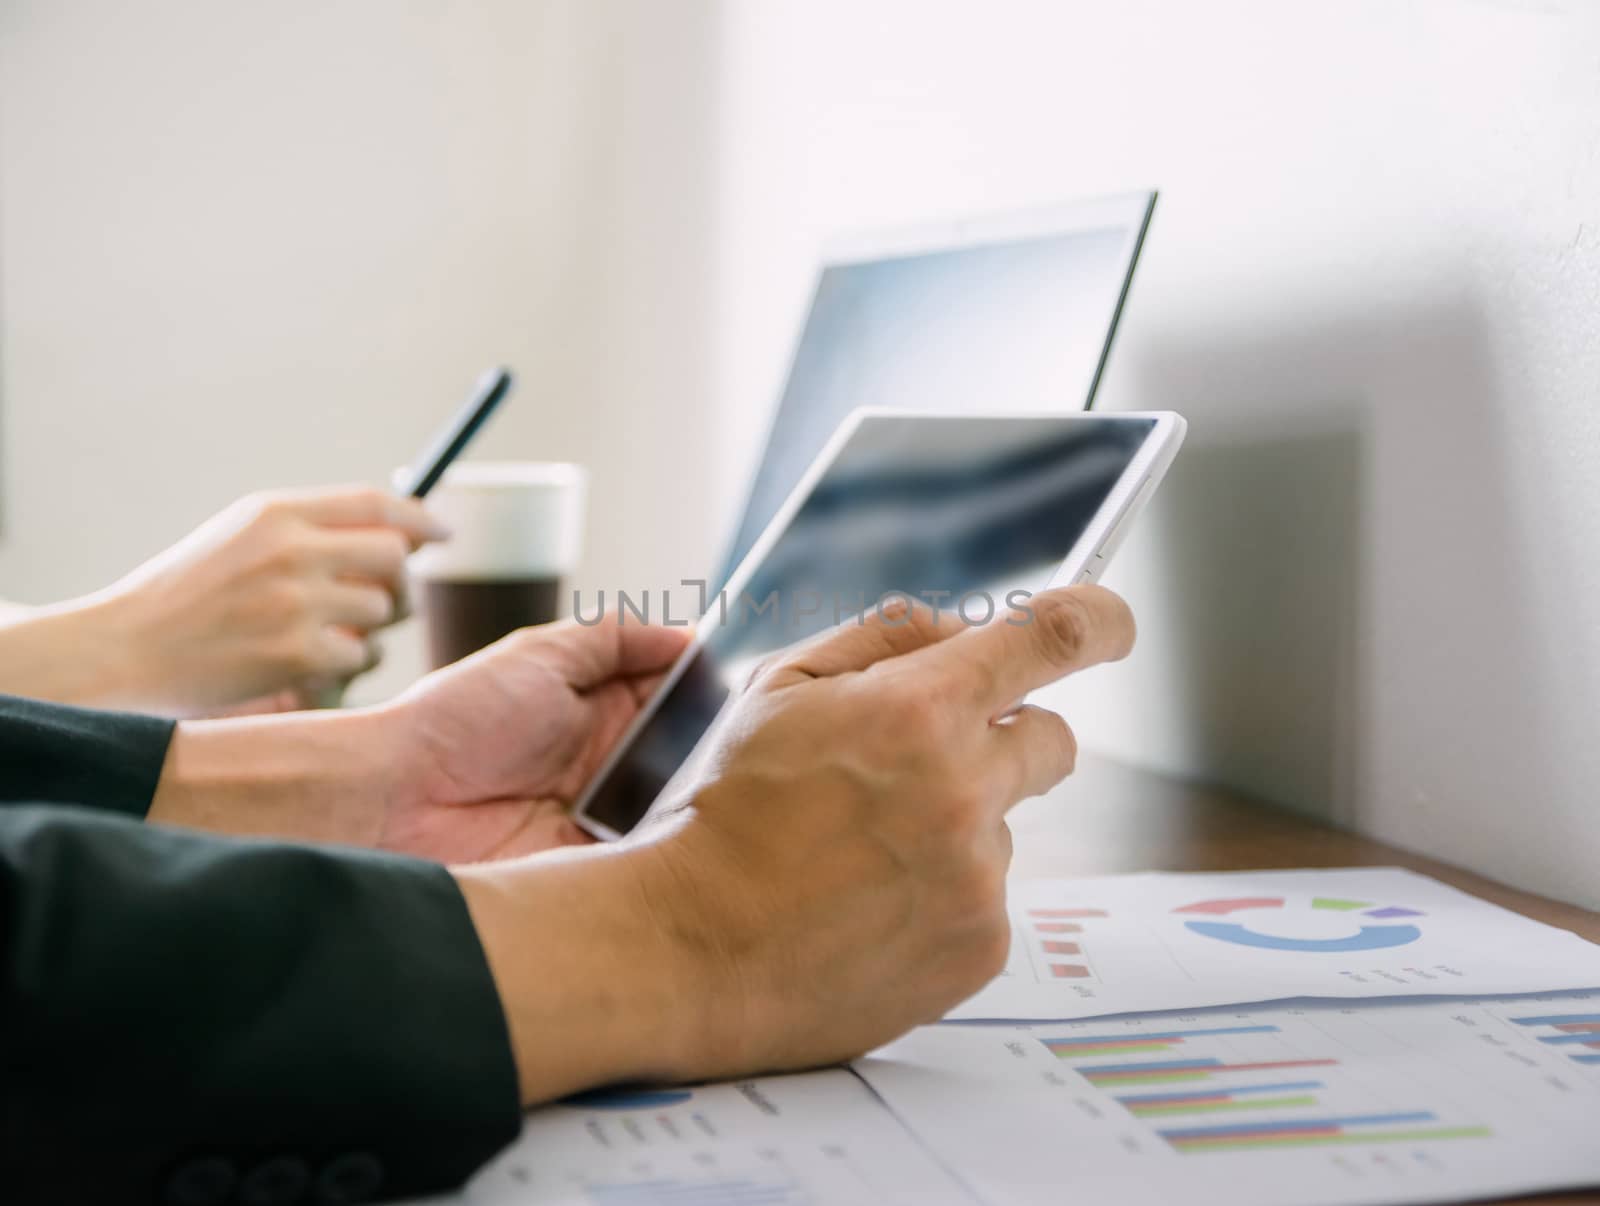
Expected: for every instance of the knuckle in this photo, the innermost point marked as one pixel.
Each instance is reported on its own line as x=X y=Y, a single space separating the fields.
x=993 y=946
x=1069 y=745
x=525 y=640
x=384 y=607
x=395 y=549
x=758 y=674
x=1006 y=844
x=287 y=598
x=300 y=652
x=1063 y=625
x=290 y=556
x=269 y=506
x=961 y=813
x=982 y=893
x=919 y=706
x=1053 y=739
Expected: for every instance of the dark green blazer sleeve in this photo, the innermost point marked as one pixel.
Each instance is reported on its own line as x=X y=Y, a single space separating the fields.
x=193 y=1020
x=57 y=755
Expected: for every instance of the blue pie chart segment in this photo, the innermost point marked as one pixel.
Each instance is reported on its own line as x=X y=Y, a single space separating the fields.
x=1367 y=938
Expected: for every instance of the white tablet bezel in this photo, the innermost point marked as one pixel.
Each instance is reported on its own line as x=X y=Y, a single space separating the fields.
x=1083 y=563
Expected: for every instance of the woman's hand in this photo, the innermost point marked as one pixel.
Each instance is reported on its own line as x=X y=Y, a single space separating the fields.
x=278 y=595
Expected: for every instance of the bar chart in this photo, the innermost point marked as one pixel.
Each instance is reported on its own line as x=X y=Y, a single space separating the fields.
x=1282 y=1112
x=1066 y=958
x=1577 y=1034
x=1313 y=1102
x=1275 y=1096
x=1079 y=1046
x=1416 y=1126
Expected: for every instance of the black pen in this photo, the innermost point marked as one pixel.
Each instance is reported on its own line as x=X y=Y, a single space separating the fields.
x=491 y=387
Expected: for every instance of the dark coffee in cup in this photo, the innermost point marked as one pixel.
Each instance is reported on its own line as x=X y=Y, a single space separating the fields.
x=516 y=528
x=463 y=617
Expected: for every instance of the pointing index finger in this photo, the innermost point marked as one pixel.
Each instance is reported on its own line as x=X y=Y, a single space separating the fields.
x=1058 y=633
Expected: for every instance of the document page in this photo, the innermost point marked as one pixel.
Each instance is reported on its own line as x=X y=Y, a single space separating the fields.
x=1127 y=943
x=818 y=1137
x=1357 y=1103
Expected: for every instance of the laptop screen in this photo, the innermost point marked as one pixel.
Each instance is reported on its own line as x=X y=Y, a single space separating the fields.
x=988 y=317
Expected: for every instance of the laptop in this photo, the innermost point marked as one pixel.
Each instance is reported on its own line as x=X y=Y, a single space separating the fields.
x=1016 y=310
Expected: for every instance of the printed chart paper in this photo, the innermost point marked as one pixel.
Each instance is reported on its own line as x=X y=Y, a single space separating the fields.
x=818 y=1137
x=1133 y=943
x=1357 y=1103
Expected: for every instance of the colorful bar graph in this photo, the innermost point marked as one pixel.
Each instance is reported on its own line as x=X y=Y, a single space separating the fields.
x=1165 y=1036
x=1156 y=1099
x=1576 y=1030
x=1054 y=946
x=1558 y=1019
x=1341 y=906
x=1223 y=1107
x=1069 y=971
x=1175 y=1070
x=1291 y=1094
x=1236 y=1130
x=1319 y=1132
x=1058 y=927
x=1066 y=914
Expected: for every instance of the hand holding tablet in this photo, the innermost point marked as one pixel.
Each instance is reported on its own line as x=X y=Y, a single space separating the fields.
x=971 y=514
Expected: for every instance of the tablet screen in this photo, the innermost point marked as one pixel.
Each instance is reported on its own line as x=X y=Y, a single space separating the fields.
x=960 y=512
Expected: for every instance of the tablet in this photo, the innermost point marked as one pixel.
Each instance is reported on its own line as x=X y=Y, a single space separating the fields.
x=969 y=513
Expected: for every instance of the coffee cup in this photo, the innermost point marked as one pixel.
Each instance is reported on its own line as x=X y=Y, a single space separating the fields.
x=516 y=531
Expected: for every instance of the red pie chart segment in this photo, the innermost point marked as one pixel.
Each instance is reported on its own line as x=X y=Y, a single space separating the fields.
x=1234 y=905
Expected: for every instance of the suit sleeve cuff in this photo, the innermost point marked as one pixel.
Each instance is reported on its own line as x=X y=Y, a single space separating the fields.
x=55 y=754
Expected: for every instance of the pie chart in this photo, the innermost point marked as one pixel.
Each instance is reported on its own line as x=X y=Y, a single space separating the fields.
x=1360 y=936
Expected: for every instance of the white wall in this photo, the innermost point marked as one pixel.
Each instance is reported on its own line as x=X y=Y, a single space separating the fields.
x=245 y=245
x=250 y=244
x=1371 y=589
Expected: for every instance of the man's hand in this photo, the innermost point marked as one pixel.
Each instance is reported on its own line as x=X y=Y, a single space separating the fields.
x=477 y=761
x=838 y=878
x=497 y=746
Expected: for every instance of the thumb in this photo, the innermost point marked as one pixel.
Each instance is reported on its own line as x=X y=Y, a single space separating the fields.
x=589 y=655
x=897 y=625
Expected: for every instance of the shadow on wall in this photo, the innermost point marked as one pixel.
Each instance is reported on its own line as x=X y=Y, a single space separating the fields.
x=1333 y=566
x=1263 y=569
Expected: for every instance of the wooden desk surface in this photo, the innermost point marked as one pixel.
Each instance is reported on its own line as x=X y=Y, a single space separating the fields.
x=1111 y=818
